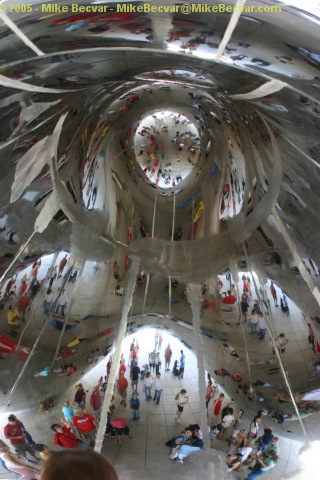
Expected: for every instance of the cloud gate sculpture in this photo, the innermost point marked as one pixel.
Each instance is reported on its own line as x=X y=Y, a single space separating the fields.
x=170 y=141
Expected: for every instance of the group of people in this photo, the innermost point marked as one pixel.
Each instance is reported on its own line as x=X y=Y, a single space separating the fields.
x=225 y=423
x=28 y=289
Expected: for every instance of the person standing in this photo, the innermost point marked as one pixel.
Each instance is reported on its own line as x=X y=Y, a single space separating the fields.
x=160 y=340
x=85 y=425
x=122 y=386
x=15 y=432
x=253 y=323
x=254 y=427
x=244 y=306
x=152 y=359
x=157 y=363
x=95 y=402
x=274 y=294
x=217 y=407
x=23 y=288
x=167 y=357
x=135 y=405
x=182 y=364
x=158 y=387
x=62 y=264
x=156 y=340
x=68 y=411
x=23 y=305
x=63 y=436
x=80 y=396
x=262 y=326
x=182 y=401
x=53 y=276
x=135 y=372
x=62 y=303
x=47 y=301
x=147 y=385
x=34 y=290
x=226 y=422
x=209 y=393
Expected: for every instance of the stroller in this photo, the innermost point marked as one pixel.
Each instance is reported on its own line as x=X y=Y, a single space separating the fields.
x=176 y=368
x=144 y=371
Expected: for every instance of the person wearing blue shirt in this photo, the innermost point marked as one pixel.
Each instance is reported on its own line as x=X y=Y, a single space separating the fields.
x=67 y=411
x=182 y=363
x=135 y=405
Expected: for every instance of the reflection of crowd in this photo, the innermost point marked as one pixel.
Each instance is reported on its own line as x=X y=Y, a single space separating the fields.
x=154 y=163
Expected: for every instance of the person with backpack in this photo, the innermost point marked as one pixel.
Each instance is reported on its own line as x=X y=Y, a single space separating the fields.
x=13 y=463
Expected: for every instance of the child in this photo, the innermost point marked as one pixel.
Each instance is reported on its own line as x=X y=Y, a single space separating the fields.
x=135 y=405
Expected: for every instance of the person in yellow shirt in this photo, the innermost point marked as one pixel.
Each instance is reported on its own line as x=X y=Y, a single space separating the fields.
x=13 y=317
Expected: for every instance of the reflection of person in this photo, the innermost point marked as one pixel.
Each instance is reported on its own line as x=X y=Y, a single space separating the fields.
x=62 y=265
x=63 y=436
x=85 y=425
x=167 y=357
x=74 y=464
x=182 y=401
x=15 y=432
x=13 y=318
x=14 y=464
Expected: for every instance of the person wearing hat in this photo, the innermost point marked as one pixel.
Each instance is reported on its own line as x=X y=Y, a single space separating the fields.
x=85 y=425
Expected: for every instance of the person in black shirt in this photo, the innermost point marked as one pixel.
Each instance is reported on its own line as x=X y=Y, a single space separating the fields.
x=135 y=372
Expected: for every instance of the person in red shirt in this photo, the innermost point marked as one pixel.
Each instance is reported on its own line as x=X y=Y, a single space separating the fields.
x=122 y=368
x=62 y=265
x=10 y=285
x=15 y=432
x=23 y=305
x=121 y=427
x=217 y=406
x=122 y=386
x=23 y=288
x=85 y=425
x=229 y=299
x=95 y=402
x=63 y=436
x=35 y=271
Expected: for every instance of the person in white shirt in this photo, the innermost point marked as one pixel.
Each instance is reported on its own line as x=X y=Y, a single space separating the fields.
x=47 y=301
x=241 y=455
x=262 y=326
x=226 y=423
x=182 y=401
x=62 y=303
x=158 y=387
x=253 y=321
